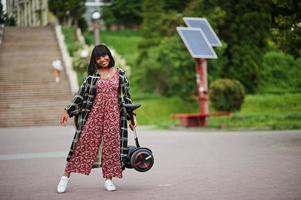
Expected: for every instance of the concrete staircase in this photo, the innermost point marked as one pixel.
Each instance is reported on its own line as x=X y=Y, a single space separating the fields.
x=29 y=94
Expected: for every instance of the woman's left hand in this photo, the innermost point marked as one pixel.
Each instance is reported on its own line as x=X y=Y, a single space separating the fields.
x=133 y=123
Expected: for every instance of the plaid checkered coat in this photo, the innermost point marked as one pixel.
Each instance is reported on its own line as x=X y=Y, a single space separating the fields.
x=81 y=106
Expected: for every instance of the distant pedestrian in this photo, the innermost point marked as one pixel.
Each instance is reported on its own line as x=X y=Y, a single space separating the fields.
x=57 y=68
x=100 y=119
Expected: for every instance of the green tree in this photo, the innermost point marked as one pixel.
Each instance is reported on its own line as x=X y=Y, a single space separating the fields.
x=151 y=13
x=209 y=9
x=68 y=12
x=286 y=16
x=159 y=57
x=168 y=69
x=176 y=5
x=125 y=13
x=152 y=21
x=245 y=29
x=159 y=20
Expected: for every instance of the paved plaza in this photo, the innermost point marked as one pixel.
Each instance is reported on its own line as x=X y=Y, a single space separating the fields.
x=190 y=164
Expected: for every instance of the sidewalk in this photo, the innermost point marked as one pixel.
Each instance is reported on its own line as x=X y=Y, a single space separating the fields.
x=189 y=164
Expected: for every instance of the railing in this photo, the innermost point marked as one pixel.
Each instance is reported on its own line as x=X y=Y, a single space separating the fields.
x=66 y=59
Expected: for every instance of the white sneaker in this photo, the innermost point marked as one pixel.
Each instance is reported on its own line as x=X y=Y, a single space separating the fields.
x=109 y=185
x=61 y=187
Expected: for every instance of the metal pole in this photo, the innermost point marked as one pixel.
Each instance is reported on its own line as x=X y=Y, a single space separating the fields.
x=136 y=138
x=202 y=86
x=96 y=32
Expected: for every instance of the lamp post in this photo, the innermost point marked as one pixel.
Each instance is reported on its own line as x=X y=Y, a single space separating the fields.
x=95 y=23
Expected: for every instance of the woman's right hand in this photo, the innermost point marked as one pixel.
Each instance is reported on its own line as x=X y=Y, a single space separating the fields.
x=64 y=118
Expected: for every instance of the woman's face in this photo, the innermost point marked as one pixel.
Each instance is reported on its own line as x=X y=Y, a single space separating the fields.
x=103 y=61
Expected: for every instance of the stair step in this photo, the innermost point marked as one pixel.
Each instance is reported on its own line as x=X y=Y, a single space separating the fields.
x=29 y=94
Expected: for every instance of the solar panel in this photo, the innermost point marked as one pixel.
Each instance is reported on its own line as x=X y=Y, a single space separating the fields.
x=202 y=23
x=196 y=42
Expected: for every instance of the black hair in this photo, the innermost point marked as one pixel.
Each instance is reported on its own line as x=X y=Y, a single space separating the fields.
x=99 y=50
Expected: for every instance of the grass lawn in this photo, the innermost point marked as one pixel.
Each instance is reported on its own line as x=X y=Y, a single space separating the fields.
x=265 y=111
x=158 y=111
x=258 y=111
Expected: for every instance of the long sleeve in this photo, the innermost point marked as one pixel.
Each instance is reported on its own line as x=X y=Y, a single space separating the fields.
x=127 y=94
x=75 y=106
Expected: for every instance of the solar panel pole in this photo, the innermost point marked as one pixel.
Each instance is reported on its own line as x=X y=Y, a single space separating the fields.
x=202 y=87
x=199 y=39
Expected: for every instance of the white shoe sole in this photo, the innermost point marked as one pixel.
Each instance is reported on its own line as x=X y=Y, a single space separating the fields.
x=110 y=189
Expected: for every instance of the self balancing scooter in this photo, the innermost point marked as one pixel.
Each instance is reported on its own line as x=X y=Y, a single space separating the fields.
x=139 y=158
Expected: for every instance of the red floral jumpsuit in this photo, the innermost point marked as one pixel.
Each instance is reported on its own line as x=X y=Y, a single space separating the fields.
x=102 y=125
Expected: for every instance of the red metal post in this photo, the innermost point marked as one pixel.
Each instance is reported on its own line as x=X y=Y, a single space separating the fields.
x=202 y=87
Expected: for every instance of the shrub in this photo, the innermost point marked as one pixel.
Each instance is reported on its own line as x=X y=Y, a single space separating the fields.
x=226 y=94
x=280 y=73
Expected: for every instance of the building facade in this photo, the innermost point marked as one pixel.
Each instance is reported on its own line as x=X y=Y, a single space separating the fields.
x=28 y=12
